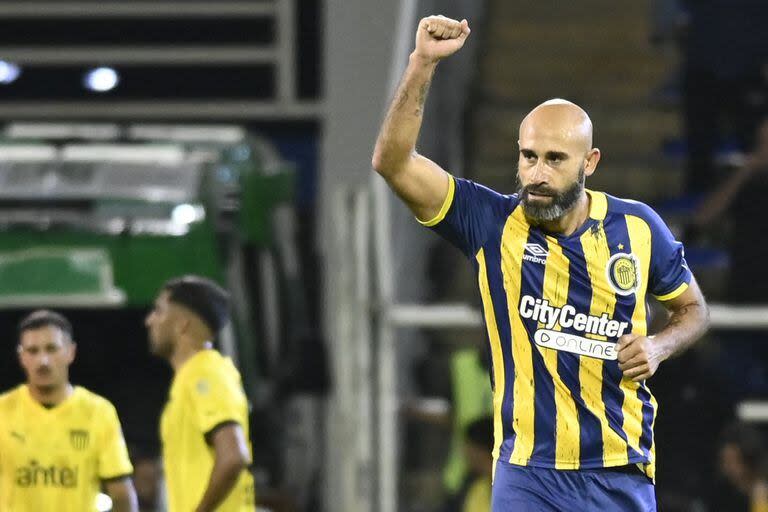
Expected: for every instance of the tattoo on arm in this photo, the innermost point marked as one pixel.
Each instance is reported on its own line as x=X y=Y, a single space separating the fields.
x=402 y=100
x=422 y=98
x=677 y=317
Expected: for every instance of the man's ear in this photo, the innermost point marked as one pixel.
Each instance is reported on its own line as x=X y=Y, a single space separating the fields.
x=72 y=352
x=591 y=161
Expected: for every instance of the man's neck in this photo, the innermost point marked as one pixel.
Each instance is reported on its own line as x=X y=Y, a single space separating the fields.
x=185 y=351
x=50 y=396
x=572 y=220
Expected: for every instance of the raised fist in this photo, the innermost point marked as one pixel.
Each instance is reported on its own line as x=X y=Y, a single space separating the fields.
x=438 y=37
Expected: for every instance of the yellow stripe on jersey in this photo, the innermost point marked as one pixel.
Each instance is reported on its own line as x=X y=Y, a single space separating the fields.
x=556 y=281
x=444 y=208
x=632 y=410
x=640 y=238
x=597 y=254
x=496 y=355
x=512 y=242
x=650 y=469
x=674 y=293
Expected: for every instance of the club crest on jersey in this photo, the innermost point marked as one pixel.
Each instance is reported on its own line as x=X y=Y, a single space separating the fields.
x=79 y=439
x=623 y=273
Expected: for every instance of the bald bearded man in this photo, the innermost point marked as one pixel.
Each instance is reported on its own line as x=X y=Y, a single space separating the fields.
x=563 y=273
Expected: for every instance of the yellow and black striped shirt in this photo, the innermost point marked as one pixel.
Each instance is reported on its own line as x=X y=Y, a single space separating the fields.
x=554 y=309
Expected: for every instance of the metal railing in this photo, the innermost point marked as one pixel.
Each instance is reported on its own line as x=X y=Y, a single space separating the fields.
x=281 y=53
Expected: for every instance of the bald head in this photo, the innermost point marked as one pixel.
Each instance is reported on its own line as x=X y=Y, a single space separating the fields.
x=556 y=156
x=559 y=120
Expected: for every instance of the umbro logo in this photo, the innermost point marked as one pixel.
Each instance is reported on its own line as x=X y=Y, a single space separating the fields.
x=536 y=250
x=535 y=254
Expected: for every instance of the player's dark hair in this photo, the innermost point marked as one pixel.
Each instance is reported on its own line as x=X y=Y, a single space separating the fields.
x=45 y=318
x=480 y=432
x=203 y=297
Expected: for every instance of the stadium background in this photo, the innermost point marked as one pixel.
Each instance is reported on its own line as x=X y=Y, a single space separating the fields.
x=236 y=144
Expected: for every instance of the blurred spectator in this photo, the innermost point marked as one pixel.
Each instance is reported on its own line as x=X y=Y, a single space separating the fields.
x=475 y=493
x=742 y=197
x=146 y=478
x=726 y=52
x=472 y=399
x=742 y=466
x=742 y=359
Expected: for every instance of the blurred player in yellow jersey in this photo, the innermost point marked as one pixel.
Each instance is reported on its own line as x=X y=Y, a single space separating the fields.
x=204 y=427
x=58 y=443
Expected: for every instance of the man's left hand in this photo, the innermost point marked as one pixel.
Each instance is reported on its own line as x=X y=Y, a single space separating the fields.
x=638 y=357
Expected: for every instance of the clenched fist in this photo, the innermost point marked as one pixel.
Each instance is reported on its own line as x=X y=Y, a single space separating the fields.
x=639 y=357
x=438 y=37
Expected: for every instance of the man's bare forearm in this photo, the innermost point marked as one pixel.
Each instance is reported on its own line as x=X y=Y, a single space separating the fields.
x=686 y=324
x=124 y=504
x=223 y=479
x=722 y=198
x=400 y=131
x=123 y=495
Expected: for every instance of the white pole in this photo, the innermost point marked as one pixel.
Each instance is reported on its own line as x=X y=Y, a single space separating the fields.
x=388 y=438
x=363 y=350
x=286 y=70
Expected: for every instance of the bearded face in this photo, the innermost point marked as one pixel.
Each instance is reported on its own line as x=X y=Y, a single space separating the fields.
x=544 y=203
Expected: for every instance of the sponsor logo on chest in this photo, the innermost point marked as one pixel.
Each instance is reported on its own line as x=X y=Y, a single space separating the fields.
x=35 y=474
x=567 y=317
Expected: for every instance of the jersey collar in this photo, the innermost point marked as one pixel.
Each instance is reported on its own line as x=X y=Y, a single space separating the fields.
x=64 y=404
x=598 y=206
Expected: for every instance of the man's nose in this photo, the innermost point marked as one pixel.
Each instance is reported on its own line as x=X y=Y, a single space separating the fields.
x=540 y=173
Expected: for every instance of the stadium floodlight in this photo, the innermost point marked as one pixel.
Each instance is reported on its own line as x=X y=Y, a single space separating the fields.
x=187 y=214
x=101 y=79
x=9 y=72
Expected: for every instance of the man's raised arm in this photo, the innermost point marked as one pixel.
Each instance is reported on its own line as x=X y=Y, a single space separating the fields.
x=419 y=182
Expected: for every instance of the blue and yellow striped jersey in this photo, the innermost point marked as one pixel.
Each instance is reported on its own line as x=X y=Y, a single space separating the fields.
x=554 y=309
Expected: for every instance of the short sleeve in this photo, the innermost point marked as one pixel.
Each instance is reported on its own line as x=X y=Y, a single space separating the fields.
x=215 y=400
x=469 y=214
x=669 y=274
x=113 y=454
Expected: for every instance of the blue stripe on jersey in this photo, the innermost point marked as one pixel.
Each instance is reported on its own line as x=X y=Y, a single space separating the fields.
x=580 y=297
x=616 y=233
x=544 y=419
x=646 y=439
x=499 y=298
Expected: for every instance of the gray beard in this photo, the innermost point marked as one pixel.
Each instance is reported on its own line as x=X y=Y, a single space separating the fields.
x=561 y=203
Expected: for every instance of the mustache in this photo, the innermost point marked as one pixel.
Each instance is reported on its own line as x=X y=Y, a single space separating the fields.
x=539 y=189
